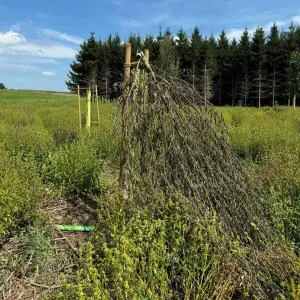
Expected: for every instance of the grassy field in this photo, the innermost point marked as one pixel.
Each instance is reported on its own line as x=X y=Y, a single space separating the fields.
x=45 y=157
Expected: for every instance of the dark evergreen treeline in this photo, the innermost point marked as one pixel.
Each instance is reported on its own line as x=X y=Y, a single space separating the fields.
x=257 y=70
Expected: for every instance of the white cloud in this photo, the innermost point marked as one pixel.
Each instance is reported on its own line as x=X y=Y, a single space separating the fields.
x=237 y=33
x=296 y=20
x=6 y=64
x=11 y=38
x=42 y=50
x=50 y=33
x=20 y=55
x=48 y=73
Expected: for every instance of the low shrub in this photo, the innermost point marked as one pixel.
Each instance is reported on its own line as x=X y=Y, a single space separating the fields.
x=30 y=140
x=143 y=252
x=21 y=192
x=75 y=167
x=157 y=251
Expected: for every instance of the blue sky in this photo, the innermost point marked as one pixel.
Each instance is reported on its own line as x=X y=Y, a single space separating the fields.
x=39 y=38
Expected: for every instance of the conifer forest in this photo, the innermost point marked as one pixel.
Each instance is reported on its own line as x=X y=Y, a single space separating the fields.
x=259 y=69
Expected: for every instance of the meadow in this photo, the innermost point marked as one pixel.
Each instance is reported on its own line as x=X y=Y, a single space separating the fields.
x=45 y=157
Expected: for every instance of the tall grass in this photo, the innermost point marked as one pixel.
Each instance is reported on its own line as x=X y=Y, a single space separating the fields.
x=144 y=252
x=41 y=144
x=269 y=141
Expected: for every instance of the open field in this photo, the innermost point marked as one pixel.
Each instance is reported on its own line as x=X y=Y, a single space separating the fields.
x=51 y=173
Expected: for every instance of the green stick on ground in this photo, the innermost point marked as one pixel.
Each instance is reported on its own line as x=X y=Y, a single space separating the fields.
x=77 y=228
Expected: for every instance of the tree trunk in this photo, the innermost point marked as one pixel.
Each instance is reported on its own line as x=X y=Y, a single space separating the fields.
x=294 y=100
x=205 y=83
x=234 y=88
x=106 y=92
x=232 y=93
x=220 y=80
x=194 y=67
x=246 y=87
x=274 y=85
x=259 y=85
x=289 y=78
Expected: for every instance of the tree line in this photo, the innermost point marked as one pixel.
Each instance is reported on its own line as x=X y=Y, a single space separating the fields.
x=257 y=70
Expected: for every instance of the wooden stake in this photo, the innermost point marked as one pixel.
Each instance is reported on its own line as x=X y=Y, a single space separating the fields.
x=124 y=115
x=147 y=54
x=88 y=110
x=79 y=107
x=127 y=62
x=97 y=101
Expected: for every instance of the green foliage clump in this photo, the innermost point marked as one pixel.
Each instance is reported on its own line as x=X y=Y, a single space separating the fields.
x=27 y=140
x=36 y=245
x=75 y=167
x=153 y=252
x=21 y=192
x=158 y=251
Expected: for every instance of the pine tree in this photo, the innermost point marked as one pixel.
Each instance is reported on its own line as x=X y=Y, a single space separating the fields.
x=297 y=38
x=209 y=68
x=183 y=53
x=222 y=65
x=167 y=56
x=116 y=63
x=274 y=53
x=295 y=75
x=84 y=70
x=234 y=70
x=136 y=44
x=197 y=49
x=245 y=54
x=258 y=51
x=289 y=46
x=153 y=46
x=104 y=71
x=260 y=70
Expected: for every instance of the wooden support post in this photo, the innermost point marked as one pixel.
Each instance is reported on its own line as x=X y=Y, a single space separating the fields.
x=88 y=110
x=147 y=54
x=124 y=115
x=97 y=101
x=127 y=62
x=79 y=107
